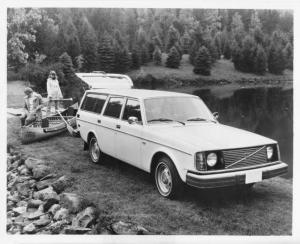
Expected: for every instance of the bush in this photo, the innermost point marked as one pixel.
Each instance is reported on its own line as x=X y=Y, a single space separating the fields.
x=173 y=59
x=202 y=62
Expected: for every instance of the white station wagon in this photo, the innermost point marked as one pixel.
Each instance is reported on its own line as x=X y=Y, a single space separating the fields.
x=174 y=137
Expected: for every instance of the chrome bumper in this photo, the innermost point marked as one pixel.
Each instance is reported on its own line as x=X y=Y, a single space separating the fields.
x=202 y=180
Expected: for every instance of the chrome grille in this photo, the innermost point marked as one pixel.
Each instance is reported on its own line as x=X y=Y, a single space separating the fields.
x=244 y=157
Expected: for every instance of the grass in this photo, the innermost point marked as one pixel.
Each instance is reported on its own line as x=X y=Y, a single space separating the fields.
x=123 y=192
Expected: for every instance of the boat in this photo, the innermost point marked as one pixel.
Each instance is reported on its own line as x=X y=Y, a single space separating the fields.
x=49 y=126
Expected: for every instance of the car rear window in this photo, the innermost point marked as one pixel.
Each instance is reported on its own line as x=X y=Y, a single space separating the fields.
x=94 y=103
x=132 y=109
x=114 y=107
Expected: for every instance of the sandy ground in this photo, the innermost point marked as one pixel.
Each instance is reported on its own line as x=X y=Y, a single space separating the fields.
x=125 y=193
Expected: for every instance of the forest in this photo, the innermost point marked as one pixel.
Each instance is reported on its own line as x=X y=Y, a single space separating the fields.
x=118 y=40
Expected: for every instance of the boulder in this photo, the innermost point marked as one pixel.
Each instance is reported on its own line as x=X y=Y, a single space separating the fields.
x=29 y=229
x=54 y=208
x=19 y=220
x=23 y=188
x=40 y=185
x=85 y=218
x=42 y=221
x=14 y=197
x=61 y=214
x=10 y=205
x=34 y=203
x=128 y=228
x=35 y=215
x=9 y=224
x=49 y=176
x=22 y=179
x=45 y=194
x=19 y=210
x=24 y=171
x=61 y=184
x=33 y=162
x=73 y=202
x=57 y=227
x=71 y=230
x=49 y=203
x=40 y=171
x=22 y=204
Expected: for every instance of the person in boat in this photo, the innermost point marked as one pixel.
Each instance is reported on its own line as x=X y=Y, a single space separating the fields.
x=53 y=90
x=32 y=107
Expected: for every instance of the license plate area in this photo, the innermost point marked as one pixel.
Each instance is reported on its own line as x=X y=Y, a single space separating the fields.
x=253 y=176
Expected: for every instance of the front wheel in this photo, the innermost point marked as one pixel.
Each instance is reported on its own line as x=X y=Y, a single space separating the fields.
x=94 y=150
x=167 y=180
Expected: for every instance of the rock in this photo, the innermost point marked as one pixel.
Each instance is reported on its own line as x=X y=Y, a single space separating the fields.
x=23 y=189
x=56 y=227
x=45 y=194
x=128 y=228
x=20 y=168
x=76 y=230
x=19 y=210
x=85 y=218
x=61 y=214
x=22 y=179
x=34 y=203
x=14 y=198
x=104 y=231
x=10 y=205
x=54 y=208
x=32 y=183
x=40 y=171
x=35 y=215
x=22 y=204
x=24 y=171
x=73 y=202
x=40 y=185
x=42 y=221
x=29 y=229
x=19 y=220
x=49 y=203
x=49 y=176
x=61 y=184
x=8 y=224
x=33 y=162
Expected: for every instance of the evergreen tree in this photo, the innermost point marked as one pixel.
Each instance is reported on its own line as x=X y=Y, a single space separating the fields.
x=276 y=60
x=260 y=61
x=237 y=28
x=122 y=59
x=68 y=69
x=173 y=59
x=157 y=56
x=193 y=51
x=248 y=53
x=186 y=43
x=202 y=63
x=288 y=54
x=106 y=55
x=237 y=57
x=144 y=54
x=135 y=58
x=172 y=37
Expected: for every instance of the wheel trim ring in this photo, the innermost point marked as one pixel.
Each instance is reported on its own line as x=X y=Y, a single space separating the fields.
x=95 y=150
x=163 y=171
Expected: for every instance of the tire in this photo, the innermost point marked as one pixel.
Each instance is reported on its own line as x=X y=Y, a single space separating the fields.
x=94 y=151
x=167 y=179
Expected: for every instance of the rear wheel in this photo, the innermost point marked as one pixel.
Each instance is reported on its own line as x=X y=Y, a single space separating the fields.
x=167 y=180
x=94 y=150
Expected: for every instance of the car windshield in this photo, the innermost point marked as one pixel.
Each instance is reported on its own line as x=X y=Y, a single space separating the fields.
x=176 y=109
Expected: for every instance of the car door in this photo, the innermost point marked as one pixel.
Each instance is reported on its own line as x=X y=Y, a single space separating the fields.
x=109 y=124
x=128 y=137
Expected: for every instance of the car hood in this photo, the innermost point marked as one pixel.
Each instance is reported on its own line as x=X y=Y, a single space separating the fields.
x=210 y=136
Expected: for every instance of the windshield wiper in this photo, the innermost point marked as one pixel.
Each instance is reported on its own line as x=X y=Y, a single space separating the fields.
x=200 y=119
x=165 y=119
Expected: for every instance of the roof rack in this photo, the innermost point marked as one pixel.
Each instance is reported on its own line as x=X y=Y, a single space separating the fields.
x=99 y=72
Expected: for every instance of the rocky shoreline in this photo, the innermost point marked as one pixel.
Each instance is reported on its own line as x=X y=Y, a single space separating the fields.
x=37 y=203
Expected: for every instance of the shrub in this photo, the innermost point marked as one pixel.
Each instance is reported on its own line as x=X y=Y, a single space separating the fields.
x=173 y=59
x=202 y=63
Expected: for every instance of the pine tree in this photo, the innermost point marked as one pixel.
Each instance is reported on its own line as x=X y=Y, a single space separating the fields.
x=68 y=69
x=172 y=38
x=260 y=61
x=157 y=56
x=173 y=59
x=122 y=60
x=288 y=54
x=248 y=53
x=135 y=58
x=144 y=54
x=276 y=60
x=202 y=63
x=186 y=43
x=193 y=52
x=237 y=56
x=106 y=55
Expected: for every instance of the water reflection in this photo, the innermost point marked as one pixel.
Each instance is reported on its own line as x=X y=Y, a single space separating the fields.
x=266 y=111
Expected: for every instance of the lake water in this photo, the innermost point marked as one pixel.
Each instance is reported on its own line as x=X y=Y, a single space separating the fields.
x=265 y=111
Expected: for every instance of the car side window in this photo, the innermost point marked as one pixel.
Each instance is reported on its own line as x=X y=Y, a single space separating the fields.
x=94 y=103
x=114 y=107
x=132 y=109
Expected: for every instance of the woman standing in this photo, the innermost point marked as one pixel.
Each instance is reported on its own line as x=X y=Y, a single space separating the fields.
x=53 y=90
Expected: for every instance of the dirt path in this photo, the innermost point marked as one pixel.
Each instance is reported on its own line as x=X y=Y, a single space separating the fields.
x=125 y=193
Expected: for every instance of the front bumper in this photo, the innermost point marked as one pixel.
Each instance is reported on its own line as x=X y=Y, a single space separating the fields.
x=234 y=178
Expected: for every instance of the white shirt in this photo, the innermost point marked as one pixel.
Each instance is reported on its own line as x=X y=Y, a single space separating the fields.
x=53 y=89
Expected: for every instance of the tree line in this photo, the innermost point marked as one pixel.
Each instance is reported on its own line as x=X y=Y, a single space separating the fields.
x=117 y=40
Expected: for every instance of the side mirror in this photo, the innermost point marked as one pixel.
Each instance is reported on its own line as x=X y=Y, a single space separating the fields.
x=132 y=120
x=216 y=115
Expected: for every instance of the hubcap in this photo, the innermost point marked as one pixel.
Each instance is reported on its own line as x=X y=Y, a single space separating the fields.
x=163 y=179
x=95 y=150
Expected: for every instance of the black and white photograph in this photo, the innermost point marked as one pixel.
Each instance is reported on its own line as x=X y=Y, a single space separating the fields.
x=126 y=120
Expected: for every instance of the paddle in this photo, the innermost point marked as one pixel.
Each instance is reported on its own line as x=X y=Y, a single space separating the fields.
x=69 y=127
x=61 y=99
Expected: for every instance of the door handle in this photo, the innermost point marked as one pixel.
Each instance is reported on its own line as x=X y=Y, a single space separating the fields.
x=118 y=126
x=77 y=115
x=99 y=121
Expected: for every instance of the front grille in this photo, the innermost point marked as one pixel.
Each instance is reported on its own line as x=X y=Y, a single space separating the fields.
x=234 y=158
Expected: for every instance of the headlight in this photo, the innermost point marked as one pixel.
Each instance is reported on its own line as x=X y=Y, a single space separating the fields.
x=270 y=152
x=211 y=159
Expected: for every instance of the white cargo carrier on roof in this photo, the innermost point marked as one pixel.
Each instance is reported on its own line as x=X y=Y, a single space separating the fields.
x=99 y=80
